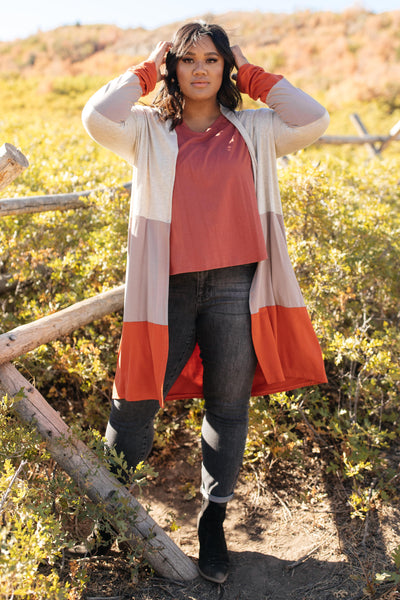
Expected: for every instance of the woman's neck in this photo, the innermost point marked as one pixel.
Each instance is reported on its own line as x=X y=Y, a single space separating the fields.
x=199 y=118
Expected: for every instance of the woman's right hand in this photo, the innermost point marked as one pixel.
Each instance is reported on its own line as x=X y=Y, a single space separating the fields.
x=158 y=57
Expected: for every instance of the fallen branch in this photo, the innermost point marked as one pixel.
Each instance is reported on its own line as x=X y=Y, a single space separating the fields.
x=93 y=478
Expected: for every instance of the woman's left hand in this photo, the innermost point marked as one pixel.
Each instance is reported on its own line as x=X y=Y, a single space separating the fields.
x=240 y=58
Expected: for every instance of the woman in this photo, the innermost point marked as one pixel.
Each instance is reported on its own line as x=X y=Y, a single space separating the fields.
x=212 y=306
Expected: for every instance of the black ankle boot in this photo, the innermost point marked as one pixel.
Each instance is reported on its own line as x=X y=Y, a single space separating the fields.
x=213 y=556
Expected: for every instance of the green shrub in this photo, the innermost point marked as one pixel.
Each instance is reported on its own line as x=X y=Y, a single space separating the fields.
x=36 y=501
x=342 y=220
x=343 y=229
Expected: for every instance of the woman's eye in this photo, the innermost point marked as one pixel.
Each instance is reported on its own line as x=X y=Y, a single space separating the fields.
x=189 y=60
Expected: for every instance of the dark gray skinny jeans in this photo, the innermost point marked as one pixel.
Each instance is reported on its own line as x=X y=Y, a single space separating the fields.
x=211 y=308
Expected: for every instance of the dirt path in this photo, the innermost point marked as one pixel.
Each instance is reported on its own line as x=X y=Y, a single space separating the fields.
x=287 y=540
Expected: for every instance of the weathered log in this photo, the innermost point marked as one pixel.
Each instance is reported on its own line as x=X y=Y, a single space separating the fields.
x=12 y=163
x=93 y=478
x=27 y=337
x=33 y=204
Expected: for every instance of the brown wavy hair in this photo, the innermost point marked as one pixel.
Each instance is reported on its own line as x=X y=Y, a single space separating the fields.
x=170 y=99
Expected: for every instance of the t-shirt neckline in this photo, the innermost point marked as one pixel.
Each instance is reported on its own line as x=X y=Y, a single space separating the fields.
x=213 y=125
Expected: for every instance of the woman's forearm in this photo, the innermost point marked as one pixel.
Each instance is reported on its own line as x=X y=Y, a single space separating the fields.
x=108 y=116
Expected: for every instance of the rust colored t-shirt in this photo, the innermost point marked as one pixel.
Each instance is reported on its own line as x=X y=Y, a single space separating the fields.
x=215 y=221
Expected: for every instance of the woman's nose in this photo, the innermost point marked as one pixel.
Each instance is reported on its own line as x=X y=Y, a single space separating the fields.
x=199 y=66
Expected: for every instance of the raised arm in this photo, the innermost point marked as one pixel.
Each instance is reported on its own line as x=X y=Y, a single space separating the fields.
x=298 y=120
x=110 y=116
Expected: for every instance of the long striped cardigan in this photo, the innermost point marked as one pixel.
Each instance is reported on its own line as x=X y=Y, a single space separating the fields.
x=287 y=348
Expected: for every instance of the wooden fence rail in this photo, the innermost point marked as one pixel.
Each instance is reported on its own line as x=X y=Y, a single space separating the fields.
x=355 y=140
x=364 y=137
x=33 y=204
x=86 y=469
x=93 y=477
x=90 y=474
x=27 y=337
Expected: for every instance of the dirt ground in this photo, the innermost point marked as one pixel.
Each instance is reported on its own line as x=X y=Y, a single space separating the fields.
x=289 y=534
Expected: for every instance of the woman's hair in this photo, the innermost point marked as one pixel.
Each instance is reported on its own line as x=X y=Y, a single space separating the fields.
x=170 y=99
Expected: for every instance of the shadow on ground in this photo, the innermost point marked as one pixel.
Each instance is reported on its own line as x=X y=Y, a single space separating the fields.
x=255 y=576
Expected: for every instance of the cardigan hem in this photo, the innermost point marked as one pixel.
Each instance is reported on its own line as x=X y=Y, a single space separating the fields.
x=271 y=389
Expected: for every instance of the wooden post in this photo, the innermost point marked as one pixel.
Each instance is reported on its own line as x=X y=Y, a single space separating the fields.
x=24 y=338
x=12 y=163
x=362 y=130
x=95 y=479
x=393 y=133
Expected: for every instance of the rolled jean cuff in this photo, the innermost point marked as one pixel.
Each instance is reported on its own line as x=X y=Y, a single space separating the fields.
x=216 y=499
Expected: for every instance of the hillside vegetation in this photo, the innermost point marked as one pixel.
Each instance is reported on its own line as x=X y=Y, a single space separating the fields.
x=354 y=55
x=343 y=226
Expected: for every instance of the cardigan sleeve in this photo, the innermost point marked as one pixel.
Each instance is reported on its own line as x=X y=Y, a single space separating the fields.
x=298 y=120
x=256 y=82
x=110 y=116
x=147 y=74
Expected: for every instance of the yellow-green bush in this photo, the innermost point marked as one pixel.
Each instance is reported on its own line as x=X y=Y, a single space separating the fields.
x=36 y=502
x=342 y=219
x=343 y=228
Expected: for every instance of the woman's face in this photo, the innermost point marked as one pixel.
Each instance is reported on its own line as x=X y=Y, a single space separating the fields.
x=200 y=71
